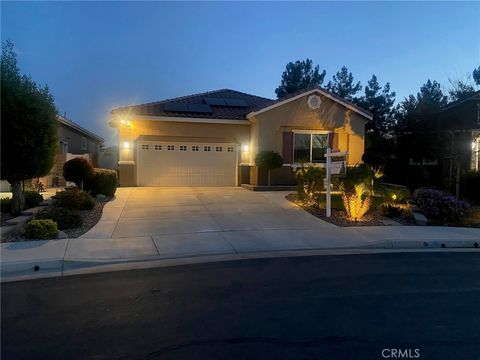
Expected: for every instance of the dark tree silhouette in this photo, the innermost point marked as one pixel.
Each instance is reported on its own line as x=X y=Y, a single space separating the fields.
x=299 y=75
x=343 y=85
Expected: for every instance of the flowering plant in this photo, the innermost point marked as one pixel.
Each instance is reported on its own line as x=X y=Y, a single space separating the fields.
x=440 y=206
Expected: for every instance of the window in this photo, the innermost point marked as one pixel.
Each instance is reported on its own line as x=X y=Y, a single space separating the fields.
x=171 y=147
x=218 y=148
x=309 y=147
x=63 y=147
x=158 y=147
x=84 y=143
x=230 y=148
x=145 y=147
x=195 y=148
x=207 y=148
x=183 y=148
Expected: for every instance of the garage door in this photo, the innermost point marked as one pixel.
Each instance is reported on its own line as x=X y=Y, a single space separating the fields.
x=186 y=164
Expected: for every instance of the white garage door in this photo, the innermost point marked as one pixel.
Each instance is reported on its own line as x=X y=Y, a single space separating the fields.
x=161 y=163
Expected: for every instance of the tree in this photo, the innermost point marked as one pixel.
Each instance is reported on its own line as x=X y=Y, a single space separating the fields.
x=78 y=170
x=379 y=101
x=343 y=85
x=460 y=89
x=28 y=128
x=299 y=75
x=268 y=160
x=476 y=75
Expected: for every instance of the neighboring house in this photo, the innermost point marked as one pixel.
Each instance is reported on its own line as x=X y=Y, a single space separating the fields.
x=458 y=123
x=74 y=141
x=211 y=139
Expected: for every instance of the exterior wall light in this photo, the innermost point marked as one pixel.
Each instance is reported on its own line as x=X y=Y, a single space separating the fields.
x=245 y=148
x=126 y=145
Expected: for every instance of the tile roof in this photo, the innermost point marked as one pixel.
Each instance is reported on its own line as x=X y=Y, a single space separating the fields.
x=218 y=112
x=254 y=103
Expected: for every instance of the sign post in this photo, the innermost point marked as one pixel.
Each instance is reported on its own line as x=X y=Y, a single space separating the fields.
x=334 y=168
x=329 y=182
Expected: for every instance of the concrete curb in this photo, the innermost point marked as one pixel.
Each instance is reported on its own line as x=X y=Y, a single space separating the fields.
x=60 y=267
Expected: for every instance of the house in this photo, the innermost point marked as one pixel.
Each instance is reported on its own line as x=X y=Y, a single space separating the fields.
x=212 y=138
x=458 y=125
x=74 y=141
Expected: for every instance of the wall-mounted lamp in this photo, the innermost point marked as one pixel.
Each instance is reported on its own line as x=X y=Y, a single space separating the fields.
x=245 y=147
x=126 y=145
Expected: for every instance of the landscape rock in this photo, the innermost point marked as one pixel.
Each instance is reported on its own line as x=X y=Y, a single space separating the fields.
x=420 y=219
x=101 y=197
x=61 y=235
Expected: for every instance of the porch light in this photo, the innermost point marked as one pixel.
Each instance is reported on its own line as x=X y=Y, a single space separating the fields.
x=245 y=147
x=126 y=145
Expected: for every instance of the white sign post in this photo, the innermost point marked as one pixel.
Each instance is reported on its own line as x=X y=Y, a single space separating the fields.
x=334 y=167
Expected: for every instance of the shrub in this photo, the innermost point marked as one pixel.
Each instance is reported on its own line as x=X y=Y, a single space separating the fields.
x=310 y=184
x=32 y=199
x=361 y=174
x=440 y=206
x=75 y=199
x=357 y=202
x=77 y=170
x=6 y=205
x=104 y=181
x=470 y=186
x=268 y=160
x=41 y=229
x=65 y=219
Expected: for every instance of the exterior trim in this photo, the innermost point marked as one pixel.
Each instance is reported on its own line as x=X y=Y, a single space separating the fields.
x=327 y=95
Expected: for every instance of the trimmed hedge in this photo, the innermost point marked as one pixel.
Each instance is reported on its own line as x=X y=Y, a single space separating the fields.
x=41 y=229
x=65 y=219
x=6 y=205
x=78 y=170
x=104 y=181
x=32 y=199
x=75 y=199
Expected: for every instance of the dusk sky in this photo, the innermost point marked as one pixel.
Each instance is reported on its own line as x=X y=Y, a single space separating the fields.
x=96 y=56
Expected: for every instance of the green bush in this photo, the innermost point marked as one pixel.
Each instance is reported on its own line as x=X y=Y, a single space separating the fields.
x=269 y=160
x=75 y=199
x=65 y=219
x=78 y=170
x=32 y=199
x=310 y=184
x=6 y=205
x=41 y=229
x=104 y=181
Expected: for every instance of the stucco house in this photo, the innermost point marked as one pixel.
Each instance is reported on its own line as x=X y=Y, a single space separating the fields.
x=73 y=141
x=211 y=139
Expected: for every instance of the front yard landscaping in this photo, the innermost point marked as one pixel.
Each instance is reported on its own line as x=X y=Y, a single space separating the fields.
x=71 y=212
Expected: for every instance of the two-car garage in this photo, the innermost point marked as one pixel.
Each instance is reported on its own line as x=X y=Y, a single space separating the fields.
x=206 y=162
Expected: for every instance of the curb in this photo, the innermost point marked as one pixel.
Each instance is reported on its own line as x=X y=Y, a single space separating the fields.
x=60 y=267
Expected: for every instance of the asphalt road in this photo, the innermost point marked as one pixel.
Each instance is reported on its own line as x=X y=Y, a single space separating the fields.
x=325 y=307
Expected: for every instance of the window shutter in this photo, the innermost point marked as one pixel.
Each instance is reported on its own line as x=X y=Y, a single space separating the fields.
x=333 y=141
x=288 y=147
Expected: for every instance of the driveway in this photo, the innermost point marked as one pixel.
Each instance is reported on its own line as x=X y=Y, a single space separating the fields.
x=149 y=211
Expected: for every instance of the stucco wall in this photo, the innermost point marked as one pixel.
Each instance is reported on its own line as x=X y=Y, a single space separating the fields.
x=74 y=140
x=268 y=128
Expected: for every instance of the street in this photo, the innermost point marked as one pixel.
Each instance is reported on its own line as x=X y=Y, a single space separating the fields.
x=321 y=307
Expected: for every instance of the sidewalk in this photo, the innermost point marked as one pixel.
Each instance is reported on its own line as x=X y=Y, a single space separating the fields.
x=63 y=257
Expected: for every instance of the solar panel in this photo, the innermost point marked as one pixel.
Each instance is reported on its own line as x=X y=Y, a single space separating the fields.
x=176 y=107
x=199 y=108
x=215 y=101
x=236 y=102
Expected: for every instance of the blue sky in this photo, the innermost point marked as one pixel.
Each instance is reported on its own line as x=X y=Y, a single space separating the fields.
x=95 y=56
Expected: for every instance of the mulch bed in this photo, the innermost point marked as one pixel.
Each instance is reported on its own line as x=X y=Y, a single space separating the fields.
x=372 y=218
x=89 y=219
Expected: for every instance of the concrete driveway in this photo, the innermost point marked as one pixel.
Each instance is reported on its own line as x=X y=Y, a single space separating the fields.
x=151 y=211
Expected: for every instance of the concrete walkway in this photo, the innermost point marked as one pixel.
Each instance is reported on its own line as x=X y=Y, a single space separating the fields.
x=172 y=223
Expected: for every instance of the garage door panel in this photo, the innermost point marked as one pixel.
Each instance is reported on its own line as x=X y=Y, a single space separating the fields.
x=186 y=164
